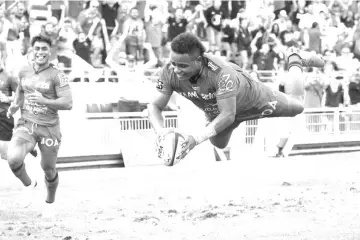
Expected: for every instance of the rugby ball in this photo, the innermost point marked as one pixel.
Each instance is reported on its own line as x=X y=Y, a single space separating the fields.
x=169 y=147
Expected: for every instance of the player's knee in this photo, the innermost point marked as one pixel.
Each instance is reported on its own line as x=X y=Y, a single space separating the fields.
x=219 y=143
x=14 y=160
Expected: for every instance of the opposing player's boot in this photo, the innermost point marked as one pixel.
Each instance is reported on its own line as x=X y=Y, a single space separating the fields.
x=308 y=59
x=28 y=194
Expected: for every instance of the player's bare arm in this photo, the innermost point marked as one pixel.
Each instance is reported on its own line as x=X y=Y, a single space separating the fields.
x=16 y=103
x=155 y=111
x=63 y=102
x=227 y=108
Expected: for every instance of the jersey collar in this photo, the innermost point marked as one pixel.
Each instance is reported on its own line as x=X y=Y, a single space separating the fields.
x=194 y=79
x=42 y=69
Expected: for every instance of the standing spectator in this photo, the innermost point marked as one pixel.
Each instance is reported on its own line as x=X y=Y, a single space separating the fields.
x=67 y=32
x=228 y=40
x=214 y=16
x=354 y=89
x=110 y=11
x=154 y=23
x=314 y=90
x=51 y=31
x=86 y=17
x=134 y=35
x=177 y=24
x=315 y=38
x=346 y=60
x=356 y=41
x=265 y=58
x=16 y=13
x=314 y=98
x=244 y=42
x=82 y=45
x=334 y=92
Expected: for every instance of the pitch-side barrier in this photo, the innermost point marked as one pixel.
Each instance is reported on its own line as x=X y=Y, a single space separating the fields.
x=126 y=139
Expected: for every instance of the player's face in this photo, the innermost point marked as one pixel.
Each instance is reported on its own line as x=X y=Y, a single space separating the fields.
x=184 y=66
x=41 y=53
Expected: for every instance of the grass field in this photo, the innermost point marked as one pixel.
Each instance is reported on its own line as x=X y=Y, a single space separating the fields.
x=303 y=197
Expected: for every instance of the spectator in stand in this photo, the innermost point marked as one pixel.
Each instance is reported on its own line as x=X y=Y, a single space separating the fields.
x=356 y=41
x=214 y=16
x=244 y=42
x=315 y=38
x=265 y=58
x=346 y=61
x=82 y=45
x=87 y=16
x=51 y=30
x=110 y=11
x=228 y=40
x=314 y=98
x=354 y=89
x=16 y=13
x=282 y=21
x=334 y=92
x=99 y=45
x=314 y=90
x=178 y=23
x=67 y=32
x=154 y=22
x=134 y=35
x=5 y=26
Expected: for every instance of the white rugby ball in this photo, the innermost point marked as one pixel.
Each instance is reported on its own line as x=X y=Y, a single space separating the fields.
x=170 y=148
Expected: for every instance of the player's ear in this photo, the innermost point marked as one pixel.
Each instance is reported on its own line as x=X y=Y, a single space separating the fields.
x=198 y=60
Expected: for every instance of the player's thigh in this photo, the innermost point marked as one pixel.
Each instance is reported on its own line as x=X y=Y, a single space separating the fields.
x=274 y=103
x=285 y=105
x=22 y=142
x=49 y=145
x=221 y=140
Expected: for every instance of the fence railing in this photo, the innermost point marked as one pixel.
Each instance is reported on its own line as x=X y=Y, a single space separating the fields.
x=314 y=126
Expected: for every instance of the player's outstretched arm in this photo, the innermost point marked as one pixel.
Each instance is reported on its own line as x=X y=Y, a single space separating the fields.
x=227 y=108
x=155 y=109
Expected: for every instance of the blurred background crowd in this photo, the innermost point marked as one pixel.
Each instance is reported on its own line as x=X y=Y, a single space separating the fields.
x=116 y=36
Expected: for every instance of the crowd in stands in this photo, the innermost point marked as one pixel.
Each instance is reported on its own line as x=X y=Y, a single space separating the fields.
x=110 y=34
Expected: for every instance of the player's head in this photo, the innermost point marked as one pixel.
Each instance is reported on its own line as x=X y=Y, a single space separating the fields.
x=41 y=49
x=186 y=55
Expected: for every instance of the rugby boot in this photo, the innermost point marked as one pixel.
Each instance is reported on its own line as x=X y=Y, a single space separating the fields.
x=29 y=194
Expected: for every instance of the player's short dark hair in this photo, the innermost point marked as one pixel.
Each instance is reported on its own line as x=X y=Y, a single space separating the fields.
x=187 y=43
x=40 y=38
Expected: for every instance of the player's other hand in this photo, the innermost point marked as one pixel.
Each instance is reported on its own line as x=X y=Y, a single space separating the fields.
x=188 y=144
x=160 y=136
x=12 y=110
x=37 y=97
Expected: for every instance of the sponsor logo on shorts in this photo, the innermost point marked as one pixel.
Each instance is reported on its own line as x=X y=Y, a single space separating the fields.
x=49 y=142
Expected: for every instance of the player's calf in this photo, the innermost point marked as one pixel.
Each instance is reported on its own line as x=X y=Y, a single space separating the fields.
x=51 y=187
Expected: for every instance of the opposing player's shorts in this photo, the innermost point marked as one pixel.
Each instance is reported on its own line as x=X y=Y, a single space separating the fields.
x=272 y=104
x=48 y=138
x=6 y=127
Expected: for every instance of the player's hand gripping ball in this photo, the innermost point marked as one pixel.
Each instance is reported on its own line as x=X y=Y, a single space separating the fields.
x=169 y=147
